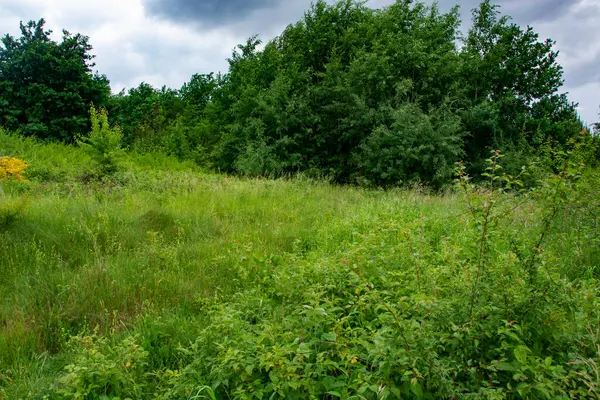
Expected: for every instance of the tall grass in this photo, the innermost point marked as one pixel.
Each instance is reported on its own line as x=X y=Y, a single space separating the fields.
x=220 y=280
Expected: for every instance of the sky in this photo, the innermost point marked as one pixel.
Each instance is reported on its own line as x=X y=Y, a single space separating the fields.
x=164 y=42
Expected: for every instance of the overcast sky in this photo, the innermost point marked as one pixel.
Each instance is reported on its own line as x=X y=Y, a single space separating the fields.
x=164 y=42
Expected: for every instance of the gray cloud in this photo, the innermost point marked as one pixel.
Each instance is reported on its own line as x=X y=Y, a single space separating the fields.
x=585 y=73
x=206 y=13
x=164 y=42
x=522 y=11
x=529 y=11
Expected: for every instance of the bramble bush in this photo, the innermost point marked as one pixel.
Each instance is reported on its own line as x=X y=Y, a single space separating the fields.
x=479 y=305
x=98 y=375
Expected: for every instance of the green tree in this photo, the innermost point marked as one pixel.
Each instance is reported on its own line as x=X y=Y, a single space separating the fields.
x=414 y=147
x=103 y=143
x=511 y=82
x=145 y=112
x=46 y=87
x=361 y=95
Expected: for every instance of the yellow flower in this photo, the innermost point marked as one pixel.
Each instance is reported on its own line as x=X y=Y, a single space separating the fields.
x=11 y=167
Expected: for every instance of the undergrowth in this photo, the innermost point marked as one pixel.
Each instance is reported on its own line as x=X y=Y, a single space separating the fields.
x=175 y=284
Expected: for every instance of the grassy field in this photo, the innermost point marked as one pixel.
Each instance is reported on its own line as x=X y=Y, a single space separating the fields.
x=167 y=282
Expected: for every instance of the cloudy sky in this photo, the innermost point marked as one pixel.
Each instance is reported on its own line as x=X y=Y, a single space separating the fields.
x=163 y=42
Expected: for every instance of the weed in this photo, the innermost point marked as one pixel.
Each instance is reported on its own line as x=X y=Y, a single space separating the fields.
x=218 y=287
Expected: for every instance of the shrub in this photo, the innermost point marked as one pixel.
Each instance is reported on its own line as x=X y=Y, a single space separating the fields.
x=104 y=143
x=414 y=147
x=101 y=372
x=12 y=168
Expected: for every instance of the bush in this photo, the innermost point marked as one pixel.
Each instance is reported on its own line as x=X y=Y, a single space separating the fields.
x=95 y=374
x=12 y=168
x=413 y=147
x=104 y=143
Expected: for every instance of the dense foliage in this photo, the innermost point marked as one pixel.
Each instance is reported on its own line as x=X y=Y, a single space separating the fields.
x=161 y=282
x=376 y=97
x=46 y=87
x=366 y=96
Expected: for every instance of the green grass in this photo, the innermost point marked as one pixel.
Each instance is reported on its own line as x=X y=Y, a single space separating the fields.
x=169 y=282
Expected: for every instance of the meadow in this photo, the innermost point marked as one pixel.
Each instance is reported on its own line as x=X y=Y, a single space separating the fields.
x=163 y=281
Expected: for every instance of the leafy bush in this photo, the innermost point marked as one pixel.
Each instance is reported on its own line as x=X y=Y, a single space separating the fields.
x=414 y=147
x=12 y=168
x=116 y=374
x=103 y=143
x=258 y=159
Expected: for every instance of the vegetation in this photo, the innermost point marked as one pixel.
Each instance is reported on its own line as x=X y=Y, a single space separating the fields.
x=170 y=283
x=103 y=143
x=11 y=168
x=371 y=97
x=46 y=87
x=131 y=271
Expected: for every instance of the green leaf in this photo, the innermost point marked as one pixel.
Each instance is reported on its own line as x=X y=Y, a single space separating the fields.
x=521 y=353
x=417 y=389
x=330 y=337
x=505 y=366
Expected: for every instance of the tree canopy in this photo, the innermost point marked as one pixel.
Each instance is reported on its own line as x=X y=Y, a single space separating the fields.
x=376 y=97
x=46 y=87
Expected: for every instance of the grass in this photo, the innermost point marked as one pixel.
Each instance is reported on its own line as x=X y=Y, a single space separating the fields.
x=217 y=286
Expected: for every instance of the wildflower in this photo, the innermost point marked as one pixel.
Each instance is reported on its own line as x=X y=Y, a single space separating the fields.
x=11 y=167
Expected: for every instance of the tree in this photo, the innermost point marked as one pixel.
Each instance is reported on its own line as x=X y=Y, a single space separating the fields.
x=145 y=112
x=361 y=95
x=415 y=147
x=46 y=87
x=511 y=81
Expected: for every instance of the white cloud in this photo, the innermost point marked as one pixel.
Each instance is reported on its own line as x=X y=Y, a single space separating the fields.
x=578 y=40
x=132 y=46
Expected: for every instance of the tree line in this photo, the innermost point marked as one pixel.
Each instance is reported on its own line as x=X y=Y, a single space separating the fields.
x=359 y=95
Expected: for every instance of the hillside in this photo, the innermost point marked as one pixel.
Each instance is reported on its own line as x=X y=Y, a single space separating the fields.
x=166 y=282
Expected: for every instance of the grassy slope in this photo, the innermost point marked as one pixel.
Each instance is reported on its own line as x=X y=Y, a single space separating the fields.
x=156 y=252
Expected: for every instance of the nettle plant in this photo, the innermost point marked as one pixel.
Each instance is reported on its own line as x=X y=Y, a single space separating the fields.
x=520 y=302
